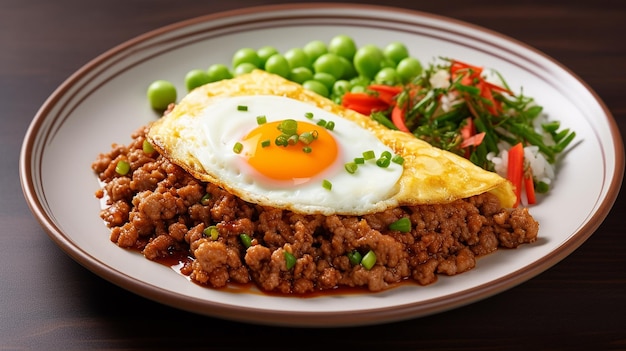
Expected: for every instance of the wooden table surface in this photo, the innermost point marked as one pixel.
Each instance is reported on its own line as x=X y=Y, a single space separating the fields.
x=50 y=302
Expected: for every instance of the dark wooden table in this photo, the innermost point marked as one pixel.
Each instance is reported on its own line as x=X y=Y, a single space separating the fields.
x=48 y=301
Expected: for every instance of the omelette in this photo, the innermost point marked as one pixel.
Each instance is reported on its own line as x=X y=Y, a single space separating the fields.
x=274 y=143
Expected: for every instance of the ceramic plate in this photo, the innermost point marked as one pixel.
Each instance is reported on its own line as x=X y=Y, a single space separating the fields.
x=105 y=101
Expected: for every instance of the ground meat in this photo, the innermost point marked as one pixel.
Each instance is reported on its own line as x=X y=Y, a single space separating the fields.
x=162 y=211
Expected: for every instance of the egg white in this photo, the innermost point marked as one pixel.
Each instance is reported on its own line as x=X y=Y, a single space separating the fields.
x=208 y=135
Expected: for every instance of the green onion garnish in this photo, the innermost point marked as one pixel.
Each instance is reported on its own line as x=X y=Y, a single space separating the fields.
x=368 y=155
x=293 y=139
x=261 y=120
x=281 y=140
x=330 y=125
x=307 y=149
x=369 y=260
x=205 y=199
x=211 y=232
x=265 y=143
x=351 y=167
x=288 y=127
x=355 y=257
x=307 y=137
x=246 y=240
x=327 y=184
x=242 y=108
x=386 y=154
x=308 y=115
x=290 y=260
x=359 y=160
x=383 y=162
x=402 y=225
x=398 y=159
x=122 y=167
x=238 y=147
x=321 y=123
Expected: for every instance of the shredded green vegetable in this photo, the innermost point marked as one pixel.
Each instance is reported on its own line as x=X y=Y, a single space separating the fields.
x=438 y=111
x=431 y=121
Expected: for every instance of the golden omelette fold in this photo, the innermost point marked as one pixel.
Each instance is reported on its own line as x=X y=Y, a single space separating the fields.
x=430 y=175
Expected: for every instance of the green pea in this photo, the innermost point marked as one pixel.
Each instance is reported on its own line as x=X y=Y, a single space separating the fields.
x=246 y=55
x=160 y=94
x=367 y=60
x=147 y=147
x=297 y=58
x=387 y=76
x=266 y=52
x=343 y=46
x=408 y=69
x=360 y=81
x=196 y=78
x=122 y=167
x=218 y=72
x=387 y=62
x=315 y=49
x=316 y=87
x=277 y=64
x=340 y=87
x=357 y=89
x=325 y=78
x=244 y=68
x=300 y=75
x=396 y=52
x=349 y=71
x=329 y=63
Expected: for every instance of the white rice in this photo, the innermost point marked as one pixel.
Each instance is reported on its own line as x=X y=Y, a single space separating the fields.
x=542 y=170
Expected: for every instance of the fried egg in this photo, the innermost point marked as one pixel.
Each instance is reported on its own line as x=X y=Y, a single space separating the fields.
x=232 y=133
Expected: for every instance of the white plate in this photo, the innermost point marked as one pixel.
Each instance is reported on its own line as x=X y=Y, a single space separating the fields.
x=103 y=102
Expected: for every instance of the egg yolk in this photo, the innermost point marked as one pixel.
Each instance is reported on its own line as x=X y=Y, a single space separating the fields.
x=290 y=162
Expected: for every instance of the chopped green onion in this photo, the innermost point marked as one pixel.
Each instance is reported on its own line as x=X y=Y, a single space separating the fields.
x=289 y=127
x=330 y=125
x=242 y=108
x=386 y=154
x=147 y=147
x=351 y=167
x=246 y=240
x=321 y=123
x=368 y=155
x=307 y=137
x=359 y=160
x=369 y=260
x=355 y=257
x=307 y=149
x=327 y=184
x=211 y=232
x=402 y=225
x=265 y=143
x=398 y=159
x=383 y=162
x=261 y=119
x=290 y=260
x=292 y=140
x=122 y=167
x=281 y=140
x=238 y=147
x=205 y=199
x=308 y=115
